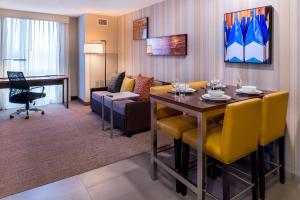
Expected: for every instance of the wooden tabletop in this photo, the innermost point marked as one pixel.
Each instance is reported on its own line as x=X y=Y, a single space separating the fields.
x=38 y=80
x=32 y=78
x=193 y=101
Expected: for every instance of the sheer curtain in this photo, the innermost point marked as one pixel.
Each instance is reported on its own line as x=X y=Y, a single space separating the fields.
x=36 y=48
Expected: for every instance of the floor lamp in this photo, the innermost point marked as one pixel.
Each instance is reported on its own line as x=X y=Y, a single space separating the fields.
x=96 y=48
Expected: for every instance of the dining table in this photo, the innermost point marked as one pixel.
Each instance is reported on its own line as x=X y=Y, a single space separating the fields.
x=194 y=105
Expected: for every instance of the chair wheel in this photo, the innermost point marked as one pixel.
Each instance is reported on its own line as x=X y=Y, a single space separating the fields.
x=11 y=116
x=43 y=112
x=27 y=117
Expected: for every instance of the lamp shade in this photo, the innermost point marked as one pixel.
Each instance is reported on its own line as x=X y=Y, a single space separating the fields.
x=93 y=48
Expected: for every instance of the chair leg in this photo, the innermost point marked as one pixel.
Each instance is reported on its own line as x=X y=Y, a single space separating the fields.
x=282 y=159
x=261 y=167
x=226 y=183
x=254 y=175
x=185 y=165
x=177 y=147
x=212 y=170
x=27 y=110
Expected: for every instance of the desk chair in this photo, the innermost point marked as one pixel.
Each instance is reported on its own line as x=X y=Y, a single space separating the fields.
x=22 y=93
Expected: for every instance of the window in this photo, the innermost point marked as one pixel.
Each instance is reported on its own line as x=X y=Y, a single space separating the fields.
x=34 y=47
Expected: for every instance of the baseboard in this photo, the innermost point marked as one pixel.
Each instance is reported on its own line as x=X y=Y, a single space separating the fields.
x=83 y=102
x=74 y=97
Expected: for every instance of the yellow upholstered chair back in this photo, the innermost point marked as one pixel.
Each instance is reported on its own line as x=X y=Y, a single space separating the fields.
x=160 y=89
x=197 y=85
x=274 y=110
x=241 y=129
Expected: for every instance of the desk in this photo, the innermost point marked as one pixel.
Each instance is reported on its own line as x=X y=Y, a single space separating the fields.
x=43 y=81
x=192 y=105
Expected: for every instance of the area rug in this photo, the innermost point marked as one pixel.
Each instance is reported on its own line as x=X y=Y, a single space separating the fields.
x=61 y=144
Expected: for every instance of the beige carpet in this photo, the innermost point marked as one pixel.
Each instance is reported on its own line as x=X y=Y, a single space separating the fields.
x=61 y=144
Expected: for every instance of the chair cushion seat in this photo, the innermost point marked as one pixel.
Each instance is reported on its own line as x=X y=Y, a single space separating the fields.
x=213 y=143
x=212 y=147
x=214 y=131
x=26 y=96
x=175 y=126
x=164 y=112
x=120 y=106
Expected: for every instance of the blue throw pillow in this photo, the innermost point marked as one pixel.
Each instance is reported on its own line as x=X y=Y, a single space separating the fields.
x=116 y=83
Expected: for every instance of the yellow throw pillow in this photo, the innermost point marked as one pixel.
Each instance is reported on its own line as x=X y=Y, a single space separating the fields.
x=127 y=85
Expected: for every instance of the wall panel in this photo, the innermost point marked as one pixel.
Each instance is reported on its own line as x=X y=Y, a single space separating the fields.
x=202 y=20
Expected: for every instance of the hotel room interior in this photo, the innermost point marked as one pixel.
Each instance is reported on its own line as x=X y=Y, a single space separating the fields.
x=149 y=99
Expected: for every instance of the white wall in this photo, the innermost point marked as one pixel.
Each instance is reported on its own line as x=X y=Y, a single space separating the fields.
x=73 y=55
x=81 y=71
x=171 y=17
x=92 y=66
x=283 y=74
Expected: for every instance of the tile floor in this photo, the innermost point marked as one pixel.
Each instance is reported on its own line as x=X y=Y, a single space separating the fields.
x=130 y=180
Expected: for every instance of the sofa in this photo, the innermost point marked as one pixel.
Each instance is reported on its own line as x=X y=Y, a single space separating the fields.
x=130 y=116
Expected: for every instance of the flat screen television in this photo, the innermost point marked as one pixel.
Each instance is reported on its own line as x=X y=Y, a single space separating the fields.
x=248 y=36
x=174 y=45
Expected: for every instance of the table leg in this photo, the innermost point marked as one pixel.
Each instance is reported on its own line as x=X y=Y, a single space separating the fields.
x=111 y=119
x=63 y=92
x=153 y=140
x=67 y=93
x=200 y=162
x=102 y=113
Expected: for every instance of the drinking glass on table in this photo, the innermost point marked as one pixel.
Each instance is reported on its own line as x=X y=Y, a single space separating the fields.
x=175 y=88
x=239 y=83
x=182 y=89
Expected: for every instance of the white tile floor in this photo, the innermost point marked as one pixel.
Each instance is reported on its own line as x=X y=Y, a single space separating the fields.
x=130 y=180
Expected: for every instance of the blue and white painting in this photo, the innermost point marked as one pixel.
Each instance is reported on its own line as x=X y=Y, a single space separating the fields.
x=247 y=36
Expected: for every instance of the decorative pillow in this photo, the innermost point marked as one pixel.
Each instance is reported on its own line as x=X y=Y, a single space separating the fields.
x=116 y=83
x=142 y=87
x=127 y=85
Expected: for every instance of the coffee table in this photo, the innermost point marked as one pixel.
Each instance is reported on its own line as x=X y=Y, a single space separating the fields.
x=115 y=97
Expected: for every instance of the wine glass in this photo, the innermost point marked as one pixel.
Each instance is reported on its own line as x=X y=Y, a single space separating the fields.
x=239 y=83
x=175 y=88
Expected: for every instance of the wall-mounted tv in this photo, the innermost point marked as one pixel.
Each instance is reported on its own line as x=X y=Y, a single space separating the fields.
x=174 y=45
x=248 y=36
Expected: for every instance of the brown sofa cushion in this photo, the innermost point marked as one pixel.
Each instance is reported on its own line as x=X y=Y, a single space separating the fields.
x=142 y=87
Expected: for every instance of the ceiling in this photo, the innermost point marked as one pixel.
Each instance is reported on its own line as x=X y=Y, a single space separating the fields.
x=78 y=7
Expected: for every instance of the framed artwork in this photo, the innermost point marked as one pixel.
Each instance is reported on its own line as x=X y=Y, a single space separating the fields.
x=174 y=45
x=140 y=29
x=248 y=36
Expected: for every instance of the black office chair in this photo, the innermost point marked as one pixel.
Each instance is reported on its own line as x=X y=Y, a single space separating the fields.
x=22 y=93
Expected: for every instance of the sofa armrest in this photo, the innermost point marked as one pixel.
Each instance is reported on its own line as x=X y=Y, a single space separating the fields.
x=138 y=115
x=97 y=89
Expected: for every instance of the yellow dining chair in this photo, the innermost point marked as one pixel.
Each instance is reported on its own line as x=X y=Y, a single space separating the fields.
x=274 y=110
x=174 y=127
x=198 y=84
x=162 y=110
x=174 y=123
x=237 y=138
